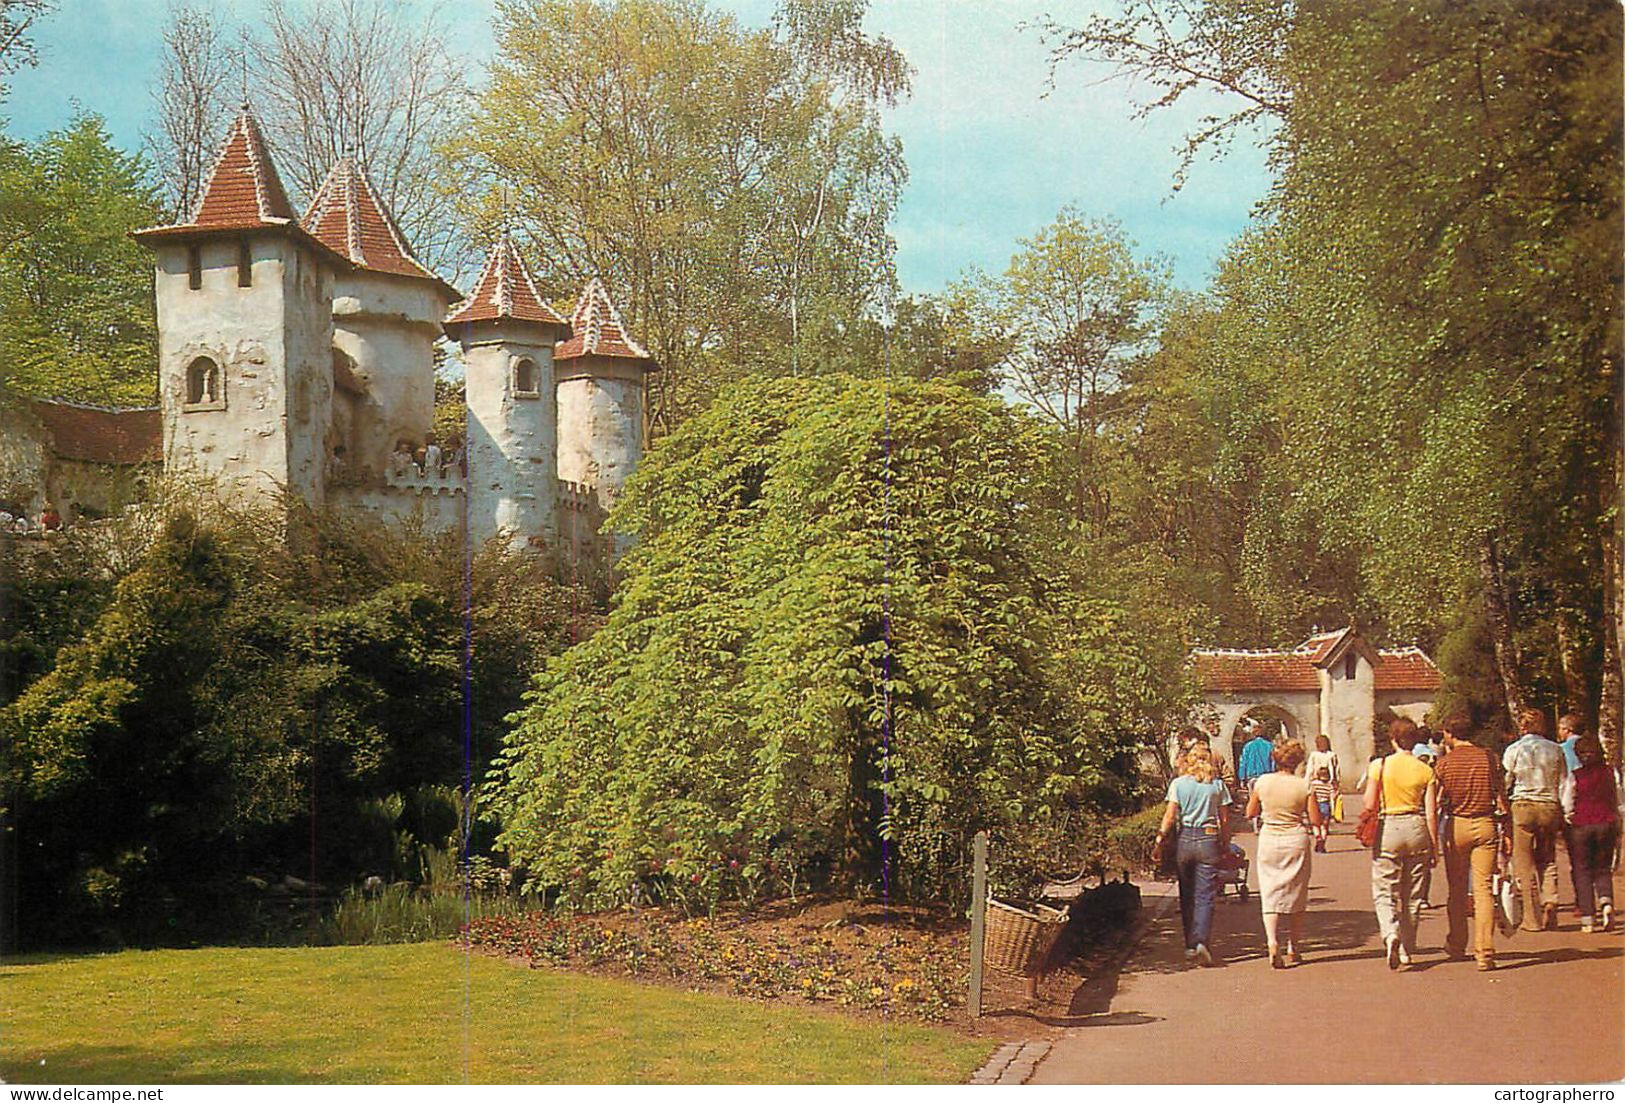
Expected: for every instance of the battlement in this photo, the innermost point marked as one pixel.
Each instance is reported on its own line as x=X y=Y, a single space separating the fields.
x=451 y=482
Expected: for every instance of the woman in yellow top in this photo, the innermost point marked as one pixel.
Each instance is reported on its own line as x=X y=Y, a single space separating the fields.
x=1401 y=785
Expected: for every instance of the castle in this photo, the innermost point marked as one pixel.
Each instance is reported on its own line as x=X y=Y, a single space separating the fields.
x=297 y=355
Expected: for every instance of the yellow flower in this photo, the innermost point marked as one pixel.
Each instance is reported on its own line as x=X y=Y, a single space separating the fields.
x=609 y=934
x=806 y=982
x=877 y=992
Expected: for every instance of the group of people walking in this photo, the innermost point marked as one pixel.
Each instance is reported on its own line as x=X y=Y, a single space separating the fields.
x=1456 y=800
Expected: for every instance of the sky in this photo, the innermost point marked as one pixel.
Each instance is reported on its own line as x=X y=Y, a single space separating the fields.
x=992 y=159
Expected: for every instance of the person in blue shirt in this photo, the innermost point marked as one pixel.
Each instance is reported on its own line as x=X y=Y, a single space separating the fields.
x=1569 y=731
x=1257 y=760
x=1196 y=801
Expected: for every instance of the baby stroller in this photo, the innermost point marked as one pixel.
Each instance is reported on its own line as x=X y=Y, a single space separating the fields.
x=1233 y=867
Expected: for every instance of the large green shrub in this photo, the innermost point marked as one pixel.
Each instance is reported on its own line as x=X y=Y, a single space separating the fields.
x=249 y=705
x=853 y=630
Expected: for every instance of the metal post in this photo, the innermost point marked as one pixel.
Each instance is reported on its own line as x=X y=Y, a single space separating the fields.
x=978 y=918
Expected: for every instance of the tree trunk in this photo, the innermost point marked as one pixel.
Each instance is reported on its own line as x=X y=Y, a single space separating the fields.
x=1498 y=603
x=1571 y=656
x=1609 y=718
x=863 y=854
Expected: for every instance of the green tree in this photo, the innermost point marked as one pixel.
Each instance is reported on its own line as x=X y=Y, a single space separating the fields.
x=1442 y=258
x=1076 y=309
x=849 y=635
x=76 y=308
x=733 y=186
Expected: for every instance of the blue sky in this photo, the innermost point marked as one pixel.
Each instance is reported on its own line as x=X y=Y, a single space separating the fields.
x=991 y=158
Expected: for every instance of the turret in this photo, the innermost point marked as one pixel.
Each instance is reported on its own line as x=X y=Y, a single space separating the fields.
x=245 y=323
x=507 y=332
x=387 y=312
x=602 y=389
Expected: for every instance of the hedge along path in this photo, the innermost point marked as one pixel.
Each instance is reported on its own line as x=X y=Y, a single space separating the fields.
x=400 y=1014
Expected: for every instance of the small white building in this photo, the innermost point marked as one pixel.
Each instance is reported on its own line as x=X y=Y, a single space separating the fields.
x=1334 y=683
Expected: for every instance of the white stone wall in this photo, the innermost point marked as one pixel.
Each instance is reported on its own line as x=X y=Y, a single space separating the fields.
x=600 y=419
x=24 y=458
x=388 y=326
x=1347 y=713
x=422 y=507
x=1414 y=705
x=272 y=341
x=512 y=439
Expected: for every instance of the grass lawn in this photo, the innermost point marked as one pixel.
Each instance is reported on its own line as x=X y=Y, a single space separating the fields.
x=423 y=1013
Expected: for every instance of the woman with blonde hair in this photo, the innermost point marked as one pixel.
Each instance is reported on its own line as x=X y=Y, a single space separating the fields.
x=1288 y=809
x=1196 y=801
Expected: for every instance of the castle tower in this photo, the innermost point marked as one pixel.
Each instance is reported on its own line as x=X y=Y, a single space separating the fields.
x=602 y=374
x=245 y=329
x=507 y=333
x=387 y=311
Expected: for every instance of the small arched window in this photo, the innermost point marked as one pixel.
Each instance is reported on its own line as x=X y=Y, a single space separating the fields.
x=194 y=267
x=202 y=382
x=1349 y=665
x=524 y=377
x=245 y=264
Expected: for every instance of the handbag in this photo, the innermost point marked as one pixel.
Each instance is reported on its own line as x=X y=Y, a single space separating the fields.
x=1508 y=904
x=1508 y=898
x=1168 y=866
x=1370 y=826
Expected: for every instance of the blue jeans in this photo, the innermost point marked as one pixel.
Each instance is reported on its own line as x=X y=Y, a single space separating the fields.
x=1198 y=883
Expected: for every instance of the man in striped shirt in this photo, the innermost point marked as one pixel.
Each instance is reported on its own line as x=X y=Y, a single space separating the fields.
x=1470 y=787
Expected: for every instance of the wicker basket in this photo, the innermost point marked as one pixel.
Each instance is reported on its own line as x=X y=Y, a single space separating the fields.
x=1017 y=942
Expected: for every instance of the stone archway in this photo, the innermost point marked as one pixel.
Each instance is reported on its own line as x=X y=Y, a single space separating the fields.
x=1298 y=713
x=1271 y=715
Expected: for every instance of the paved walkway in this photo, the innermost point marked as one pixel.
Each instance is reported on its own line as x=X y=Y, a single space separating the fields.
x=1551 y=1013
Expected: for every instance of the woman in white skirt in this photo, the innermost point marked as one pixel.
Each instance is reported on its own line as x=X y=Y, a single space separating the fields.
x=1288 y=808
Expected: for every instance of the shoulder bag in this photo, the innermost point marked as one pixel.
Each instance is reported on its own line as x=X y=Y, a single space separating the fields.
x=1369 y=829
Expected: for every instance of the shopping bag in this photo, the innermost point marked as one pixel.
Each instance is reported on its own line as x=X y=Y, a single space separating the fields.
x=1337 y=808
x=1508 y=904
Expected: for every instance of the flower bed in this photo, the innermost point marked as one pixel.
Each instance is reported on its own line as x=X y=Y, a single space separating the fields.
x=901 y=961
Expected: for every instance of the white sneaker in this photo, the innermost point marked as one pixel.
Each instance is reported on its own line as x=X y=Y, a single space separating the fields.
x=1404 y=956
x=1608 y=917
x=1585 y=924
x=1202 y=955
x=1190 y=953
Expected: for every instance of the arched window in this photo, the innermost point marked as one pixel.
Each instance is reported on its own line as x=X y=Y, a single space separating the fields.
x=194 y=267
x=1349 y=665
x=524 y=377
x=245 y=264
x=203 y=382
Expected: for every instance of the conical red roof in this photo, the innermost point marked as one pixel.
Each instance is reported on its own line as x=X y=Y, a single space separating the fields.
x=243 y=191
x=348 y=217
x=505 y=291
x=598 y=329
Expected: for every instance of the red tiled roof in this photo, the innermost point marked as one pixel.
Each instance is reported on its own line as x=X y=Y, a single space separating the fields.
x=505 y=290
x=1296 y=670
x=243 y=191
x=1409 y=669
x=348 y=217
x=1247 y=671
x=98 y=434
x=1323 y=644
x=598 y=329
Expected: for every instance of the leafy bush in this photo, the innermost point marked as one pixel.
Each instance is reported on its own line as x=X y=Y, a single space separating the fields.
x=1130 y=839
x=856 y=626
x=239 y=693
x=405 y=913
